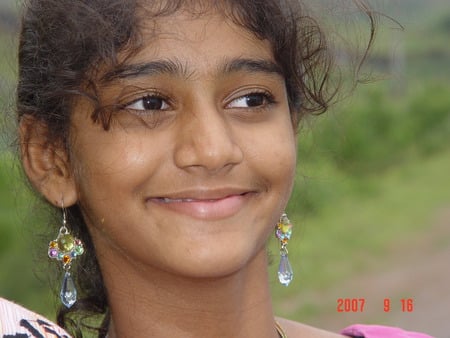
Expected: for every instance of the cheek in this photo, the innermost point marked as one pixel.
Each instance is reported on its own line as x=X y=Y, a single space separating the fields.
x=274 y=156
x=109 y=167
x=282 y=163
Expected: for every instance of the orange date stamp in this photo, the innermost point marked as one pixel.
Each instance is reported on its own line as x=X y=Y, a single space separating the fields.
x=359 y=305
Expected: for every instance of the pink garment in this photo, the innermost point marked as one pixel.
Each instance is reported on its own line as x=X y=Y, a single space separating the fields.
x=16 y=321
x=377 y=331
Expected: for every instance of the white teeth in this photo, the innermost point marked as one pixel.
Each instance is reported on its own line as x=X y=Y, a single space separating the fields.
x=182 y=200
x=176 y=200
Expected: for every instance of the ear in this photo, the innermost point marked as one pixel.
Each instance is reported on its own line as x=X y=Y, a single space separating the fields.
x=46 y=163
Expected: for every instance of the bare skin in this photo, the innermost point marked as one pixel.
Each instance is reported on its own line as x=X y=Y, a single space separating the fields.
x=182 y=193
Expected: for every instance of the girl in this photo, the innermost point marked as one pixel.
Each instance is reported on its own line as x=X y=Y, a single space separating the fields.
x=165 y=131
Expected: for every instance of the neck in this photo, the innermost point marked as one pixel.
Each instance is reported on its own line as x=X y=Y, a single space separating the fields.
x=149 y=302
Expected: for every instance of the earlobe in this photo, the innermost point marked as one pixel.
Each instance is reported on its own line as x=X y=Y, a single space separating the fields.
x=46 y=163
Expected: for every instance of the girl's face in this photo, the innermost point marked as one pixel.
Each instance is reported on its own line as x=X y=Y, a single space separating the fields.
x=199 y=162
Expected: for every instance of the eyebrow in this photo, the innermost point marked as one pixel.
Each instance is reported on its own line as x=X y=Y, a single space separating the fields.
x=250 y=66
x=177 y=68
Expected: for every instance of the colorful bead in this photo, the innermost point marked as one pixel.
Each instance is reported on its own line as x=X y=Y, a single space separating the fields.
x=53 y=253
x=66 y=243
x=67 y=259
x=65 y=248
x=284 y=230
x=79 y=250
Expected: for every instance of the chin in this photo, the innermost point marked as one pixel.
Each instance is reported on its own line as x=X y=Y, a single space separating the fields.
x=219 y=261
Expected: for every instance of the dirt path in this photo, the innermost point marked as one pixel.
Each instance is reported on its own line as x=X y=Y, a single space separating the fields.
x=418 y=270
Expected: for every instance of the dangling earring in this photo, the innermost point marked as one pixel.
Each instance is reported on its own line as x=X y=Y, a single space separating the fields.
x=283 y=232
x=66 y=248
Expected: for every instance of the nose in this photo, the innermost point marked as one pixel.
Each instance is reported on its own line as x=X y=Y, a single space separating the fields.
x=206 y=141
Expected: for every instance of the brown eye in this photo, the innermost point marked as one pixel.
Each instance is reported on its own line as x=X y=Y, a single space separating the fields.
x=255 y=100
x=251 y=100
x=148 y=102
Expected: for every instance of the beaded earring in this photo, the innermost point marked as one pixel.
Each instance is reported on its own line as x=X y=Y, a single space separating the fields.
x=65 y=248
x=283 y=232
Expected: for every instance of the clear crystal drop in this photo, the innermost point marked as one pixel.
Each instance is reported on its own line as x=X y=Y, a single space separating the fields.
x=285 y=273
x=68 y=292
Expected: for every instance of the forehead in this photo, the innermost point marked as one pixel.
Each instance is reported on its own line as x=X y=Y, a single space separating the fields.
x=203 y=40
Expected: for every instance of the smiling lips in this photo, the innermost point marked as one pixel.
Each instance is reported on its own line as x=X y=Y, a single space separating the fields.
x=205 y=207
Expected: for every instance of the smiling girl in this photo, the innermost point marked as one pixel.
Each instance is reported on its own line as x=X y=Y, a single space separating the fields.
x=165 y=131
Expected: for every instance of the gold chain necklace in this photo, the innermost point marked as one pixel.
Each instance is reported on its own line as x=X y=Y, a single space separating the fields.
x=280 y=330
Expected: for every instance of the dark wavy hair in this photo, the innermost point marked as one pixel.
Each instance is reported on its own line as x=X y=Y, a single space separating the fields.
x=66 y=45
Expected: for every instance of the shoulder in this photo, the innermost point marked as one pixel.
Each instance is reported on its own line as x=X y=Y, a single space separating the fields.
x=16 y=321
x=295 y=329
x=378 y=331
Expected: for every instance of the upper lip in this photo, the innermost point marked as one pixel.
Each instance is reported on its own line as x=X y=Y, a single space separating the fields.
x=203 y=194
